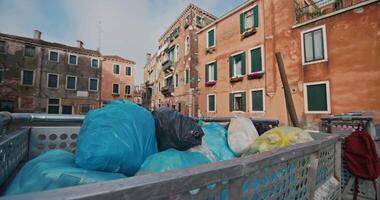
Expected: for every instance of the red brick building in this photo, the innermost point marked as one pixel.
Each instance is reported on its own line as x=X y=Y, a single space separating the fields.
x=118 y=80
x=330 y=52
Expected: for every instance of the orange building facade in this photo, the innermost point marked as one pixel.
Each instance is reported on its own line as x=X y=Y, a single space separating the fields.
x=117 y=81
x=330 y=51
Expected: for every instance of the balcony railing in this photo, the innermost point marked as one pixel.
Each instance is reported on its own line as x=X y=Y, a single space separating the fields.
x=167 y=90
x=306 y=12
x=166 y=65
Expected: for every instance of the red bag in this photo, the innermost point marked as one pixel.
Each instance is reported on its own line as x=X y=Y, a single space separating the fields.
x=361 y=157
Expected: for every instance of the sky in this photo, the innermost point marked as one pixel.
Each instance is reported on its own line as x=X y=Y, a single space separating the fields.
x=128 y=28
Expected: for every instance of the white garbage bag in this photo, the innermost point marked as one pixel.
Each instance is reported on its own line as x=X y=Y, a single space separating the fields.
x=241 y=134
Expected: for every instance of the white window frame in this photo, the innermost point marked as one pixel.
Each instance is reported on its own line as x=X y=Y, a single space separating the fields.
x=76 y=60
x=118 y=89
x=325 y=54
x=209 y=74
x=22 y=77
x=235 y=54
x=184 y=76
x=250 y=98
x=262 y=59
x=327 y=83
x=176 y=76
x=187 y=45
x=57 y=56
x=130 y=90
x=176 y=53
x=47 y=81
x=59 y=105
x=213 y=28
x=126 y=71
x=235 y=92
x=97 y=85
x=209 y=103
x=113 y=71
x=97 y=67
x=76 y=81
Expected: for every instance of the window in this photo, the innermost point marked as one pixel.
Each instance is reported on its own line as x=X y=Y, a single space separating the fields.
x=68 y=110
x=237 y=101
x=53 y=106
x=176 y=53
x=179 y=107
x=53 y=56
x=211 y=38
x=116 y=69
x=127 y=90
x=199 y=21
x=84 y=108
x=317 y=97
x=71 y=82
x=257 y=61
x=2 y=46
x=211 y=72
x=29 y=51
x=257 y=100
x=95 y=62
x=115 y=89
x=187 y=76
x=314 y=46
x=171 y=53
x=211 y=103
x=93 y=84
x=27 y=77
x=2 y=72
x=237 y=65
x=187 y=45
x=176 y=77
x=73 y=59
x=249 y=19
x=128 y=71
x=53 y=80
x=7 y=106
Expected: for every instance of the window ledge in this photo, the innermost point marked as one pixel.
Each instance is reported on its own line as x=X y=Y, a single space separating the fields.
x=210 y=50
x=318 y=112
x=238 y=111
x=255 y=75
x=236 y=79
x=258 y=112
x=210 y=83
x=314 y=62
x=117 y=95
x=248 y=32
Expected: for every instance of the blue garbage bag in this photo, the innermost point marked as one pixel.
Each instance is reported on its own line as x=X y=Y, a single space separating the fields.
x=171 y=159
x=54 y=169
x=216 y=139
x=116 y=138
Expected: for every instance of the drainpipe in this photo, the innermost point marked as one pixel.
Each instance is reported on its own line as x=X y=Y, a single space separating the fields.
x=40 y=80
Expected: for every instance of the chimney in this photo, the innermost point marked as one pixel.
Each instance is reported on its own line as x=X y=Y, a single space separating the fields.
x=37 y=35
x=148 y=57
x=79 y=44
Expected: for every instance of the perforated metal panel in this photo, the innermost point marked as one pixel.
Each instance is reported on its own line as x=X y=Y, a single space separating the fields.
x=43 y=139
x=13 y=149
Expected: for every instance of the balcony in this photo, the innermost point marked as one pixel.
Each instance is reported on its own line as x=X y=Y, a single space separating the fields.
x=167 y=90
x=318 y=8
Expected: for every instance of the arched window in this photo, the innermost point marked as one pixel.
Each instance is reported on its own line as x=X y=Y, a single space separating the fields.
x=187 y=45
x=176 y=53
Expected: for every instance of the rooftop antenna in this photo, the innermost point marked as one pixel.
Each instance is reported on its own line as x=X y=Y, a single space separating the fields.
x=99 y=34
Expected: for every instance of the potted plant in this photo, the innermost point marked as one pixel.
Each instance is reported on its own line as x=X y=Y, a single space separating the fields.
x=255 y=75
x=210 y=83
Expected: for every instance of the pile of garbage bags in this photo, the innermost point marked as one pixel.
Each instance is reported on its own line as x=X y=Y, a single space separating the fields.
x=123 y=139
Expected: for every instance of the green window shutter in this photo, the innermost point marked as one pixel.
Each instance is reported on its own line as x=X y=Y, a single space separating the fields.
x=243 y=63
x=242 y=23
x=257 y=101
x=211 y=103
x=231 y=66
x=256 y=62
x=317 y=97
x=216 y=71
x=206 y=68
x=243 y=102
x=231 y=102
x=211 y=38
x=256 y=16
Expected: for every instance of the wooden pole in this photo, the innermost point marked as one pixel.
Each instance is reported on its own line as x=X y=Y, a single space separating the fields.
x=288 y=96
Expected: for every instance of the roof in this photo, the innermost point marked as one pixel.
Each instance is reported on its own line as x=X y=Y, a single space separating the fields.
x=229 y=13
x=118 y=58
x=189 y=7
x=51 y=44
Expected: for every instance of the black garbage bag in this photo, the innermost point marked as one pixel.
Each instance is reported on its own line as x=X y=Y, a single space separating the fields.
x=174 y=130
